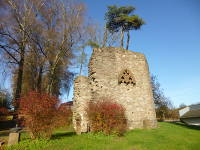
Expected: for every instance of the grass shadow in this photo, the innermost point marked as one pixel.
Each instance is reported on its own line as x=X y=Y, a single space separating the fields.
x=61 y=135
x=186 y=126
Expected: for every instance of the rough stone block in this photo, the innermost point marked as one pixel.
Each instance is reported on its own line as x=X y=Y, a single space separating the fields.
x=13 y=138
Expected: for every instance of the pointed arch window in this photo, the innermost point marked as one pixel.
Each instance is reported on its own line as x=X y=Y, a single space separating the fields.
x=126 y=77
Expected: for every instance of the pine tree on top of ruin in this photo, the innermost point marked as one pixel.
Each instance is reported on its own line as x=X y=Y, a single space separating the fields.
x=121 y=19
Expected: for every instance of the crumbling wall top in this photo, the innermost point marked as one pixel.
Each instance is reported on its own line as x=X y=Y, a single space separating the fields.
x=120 y=51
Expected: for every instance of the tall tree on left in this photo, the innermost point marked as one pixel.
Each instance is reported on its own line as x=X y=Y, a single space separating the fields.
x=38 y=39
x=15 y=21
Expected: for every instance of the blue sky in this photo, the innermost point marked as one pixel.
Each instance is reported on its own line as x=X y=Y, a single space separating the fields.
x=170 y=40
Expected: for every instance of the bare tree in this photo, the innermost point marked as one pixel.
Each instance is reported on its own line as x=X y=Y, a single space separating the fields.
x=101 y=37
x=15 y=22
x=37 y=38
x=62 y=33
x=162 y=103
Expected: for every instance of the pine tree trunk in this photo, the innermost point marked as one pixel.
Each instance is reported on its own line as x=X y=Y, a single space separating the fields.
x=81 y=61
x=128 y=39
x=80 y=69
x=105 y=37
x=122 y=38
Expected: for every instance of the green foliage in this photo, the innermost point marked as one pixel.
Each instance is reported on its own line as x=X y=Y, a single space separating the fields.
x=93 y=44
x=131 y=22
x=121 y=18
x=114 y=17
x=168 y=136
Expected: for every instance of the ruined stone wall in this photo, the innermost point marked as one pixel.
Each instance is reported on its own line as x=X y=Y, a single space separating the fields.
x=123 y=76
x=82 y=96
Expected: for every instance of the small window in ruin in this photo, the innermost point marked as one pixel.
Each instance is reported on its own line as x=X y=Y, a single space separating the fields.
x=126 y=77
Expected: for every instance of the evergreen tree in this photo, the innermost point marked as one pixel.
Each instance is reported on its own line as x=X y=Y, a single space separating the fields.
x=121 y=19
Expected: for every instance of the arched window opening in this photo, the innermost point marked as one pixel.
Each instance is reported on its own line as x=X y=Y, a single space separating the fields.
x=126 y=77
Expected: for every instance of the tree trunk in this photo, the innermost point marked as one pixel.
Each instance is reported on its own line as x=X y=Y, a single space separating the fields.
x=39 y=81
x=50 y=84
x=163 y=116
x=51 y=79
x=19 y=79
x=128 y=39
x=105 y=37
x=122 y=38
x=53 y=66
x=82 y=61
x=80 y=69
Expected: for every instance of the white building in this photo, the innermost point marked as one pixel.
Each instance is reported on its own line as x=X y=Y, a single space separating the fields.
x=190 y=114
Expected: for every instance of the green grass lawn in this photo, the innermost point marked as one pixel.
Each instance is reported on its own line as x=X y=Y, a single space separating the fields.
x=168 y=136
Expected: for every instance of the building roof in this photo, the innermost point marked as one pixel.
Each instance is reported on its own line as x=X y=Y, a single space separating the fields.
x=190 y=111
x=67 y=104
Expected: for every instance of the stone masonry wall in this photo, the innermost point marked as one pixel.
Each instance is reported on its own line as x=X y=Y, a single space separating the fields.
x=105 y=68
x=82 y=96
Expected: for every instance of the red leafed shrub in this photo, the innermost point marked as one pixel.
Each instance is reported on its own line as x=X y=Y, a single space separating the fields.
x=39 y=111
x=3 y=113
x=63 y=116
x=107 y=117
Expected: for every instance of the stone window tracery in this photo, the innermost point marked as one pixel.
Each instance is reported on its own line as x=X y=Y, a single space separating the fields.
x=126 y=77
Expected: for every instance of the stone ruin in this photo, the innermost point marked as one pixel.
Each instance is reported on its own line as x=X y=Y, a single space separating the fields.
x=120 y=75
